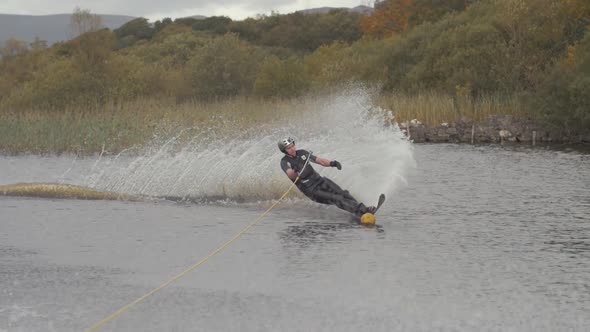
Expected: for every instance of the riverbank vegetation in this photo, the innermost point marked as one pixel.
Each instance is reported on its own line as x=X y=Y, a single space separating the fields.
x=433 y=60
x=111 y=128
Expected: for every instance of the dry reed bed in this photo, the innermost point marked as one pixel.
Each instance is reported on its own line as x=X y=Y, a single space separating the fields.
x=115 y=127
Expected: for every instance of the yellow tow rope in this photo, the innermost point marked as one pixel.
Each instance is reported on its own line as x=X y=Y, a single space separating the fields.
x=180 y=275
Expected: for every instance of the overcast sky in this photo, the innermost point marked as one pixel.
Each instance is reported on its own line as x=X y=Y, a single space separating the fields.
x=155 y=10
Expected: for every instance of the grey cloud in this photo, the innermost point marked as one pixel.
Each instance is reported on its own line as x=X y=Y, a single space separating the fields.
x=139 y=7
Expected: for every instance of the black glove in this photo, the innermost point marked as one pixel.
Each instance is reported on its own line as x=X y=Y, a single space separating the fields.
x=336 y=164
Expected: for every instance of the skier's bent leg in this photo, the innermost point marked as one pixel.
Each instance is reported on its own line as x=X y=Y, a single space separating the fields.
x=340 y=201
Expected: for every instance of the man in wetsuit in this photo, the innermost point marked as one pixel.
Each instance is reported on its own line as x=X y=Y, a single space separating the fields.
x=319 y=189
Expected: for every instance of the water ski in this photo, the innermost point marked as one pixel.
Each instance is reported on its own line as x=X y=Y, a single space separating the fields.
x=381 y=200
x=369 y=218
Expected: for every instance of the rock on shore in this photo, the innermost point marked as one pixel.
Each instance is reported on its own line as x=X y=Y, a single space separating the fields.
x=494 y=129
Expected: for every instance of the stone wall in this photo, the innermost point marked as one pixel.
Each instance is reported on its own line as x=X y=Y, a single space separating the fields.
x=495 y=129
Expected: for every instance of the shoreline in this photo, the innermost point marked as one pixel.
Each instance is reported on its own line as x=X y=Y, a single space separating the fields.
x=112 y=132
x=495 y=129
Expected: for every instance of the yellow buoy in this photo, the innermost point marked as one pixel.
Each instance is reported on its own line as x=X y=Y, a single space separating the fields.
x=368 y=219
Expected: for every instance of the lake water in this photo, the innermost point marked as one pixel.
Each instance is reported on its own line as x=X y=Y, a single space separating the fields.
x=471 y=238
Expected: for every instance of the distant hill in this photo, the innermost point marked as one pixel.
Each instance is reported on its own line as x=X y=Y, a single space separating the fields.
x=52 y=28
x=324 y=10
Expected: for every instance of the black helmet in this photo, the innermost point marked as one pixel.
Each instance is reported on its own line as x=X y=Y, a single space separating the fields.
x=284 y=143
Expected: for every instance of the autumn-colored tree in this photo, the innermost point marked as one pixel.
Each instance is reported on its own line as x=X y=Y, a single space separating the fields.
x=489 y=46
x=13 y=47
x=225 y=67
x=580 y=9
x=92 y=50
x=20 y=63
x=13 y=67
x=338 y=63
x=82 y=21
x=390 y=17
x=38 y=44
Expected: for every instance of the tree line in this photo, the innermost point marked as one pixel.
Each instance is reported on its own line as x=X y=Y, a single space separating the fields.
x=538 y=50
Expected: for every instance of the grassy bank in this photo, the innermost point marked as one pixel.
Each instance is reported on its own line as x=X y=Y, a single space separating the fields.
x=113 y=128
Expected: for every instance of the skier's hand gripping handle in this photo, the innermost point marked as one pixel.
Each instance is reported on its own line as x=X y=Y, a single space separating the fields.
x=336 y=164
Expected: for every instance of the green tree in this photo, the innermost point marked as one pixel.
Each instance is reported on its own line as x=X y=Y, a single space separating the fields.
x=186 y=21
x=579 y=13
x=336 y=26
x=159 y=25
x=170 y=50
x=433 y=10
x=327 y=65
x=132 y=31
x=215 y=24
x=535 y=35
x=563 y=99
x=281 y=78
x=224 y=67
x=298 y=31
x=248 y=29
x=501 y=45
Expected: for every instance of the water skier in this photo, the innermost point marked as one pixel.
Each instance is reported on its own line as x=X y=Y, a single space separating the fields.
x=318 y=188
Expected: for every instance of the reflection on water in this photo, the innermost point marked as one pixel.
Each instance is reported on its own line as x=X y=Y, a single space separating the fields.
x=312 y=232
x=570 y=243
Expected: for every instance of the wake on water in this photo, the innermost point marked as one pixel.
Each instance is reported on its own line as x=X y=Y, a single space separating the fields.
x=243 y=165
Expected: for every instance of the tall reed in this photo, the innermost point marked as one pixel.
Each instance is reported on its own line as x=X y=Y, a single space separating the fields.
x=114 y=127
x=435 y=108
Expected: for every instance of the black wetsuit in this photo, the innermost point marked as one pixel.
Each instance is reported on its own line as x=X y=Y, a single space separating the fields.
x=320 y=189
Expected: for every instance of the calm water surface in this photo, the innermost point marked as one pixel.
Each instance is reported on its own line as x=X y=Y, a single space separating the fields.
x=481 y=238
